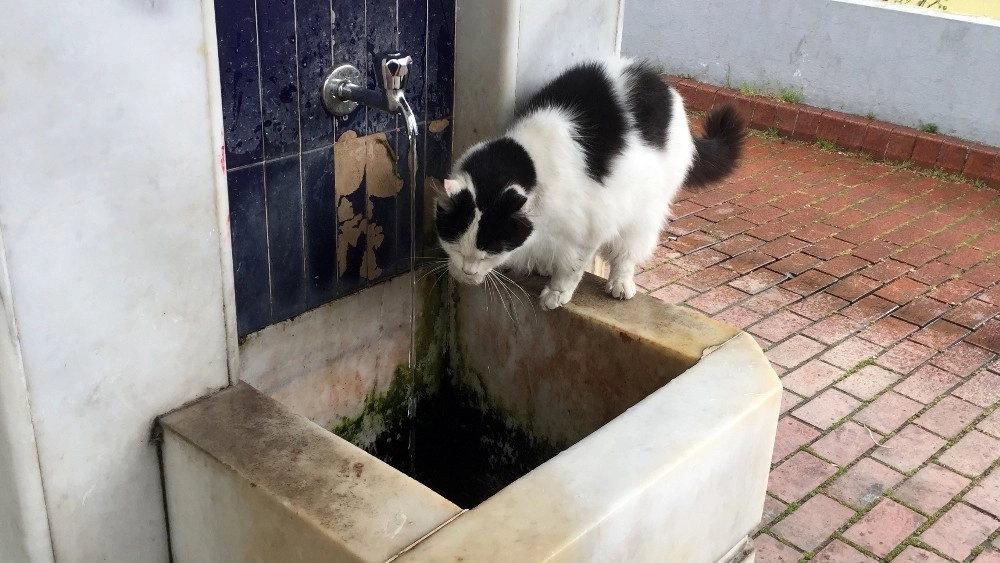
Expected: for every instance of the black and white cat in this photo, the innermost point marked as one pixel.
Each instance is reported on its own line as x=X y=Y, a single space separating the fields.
x=589 y=164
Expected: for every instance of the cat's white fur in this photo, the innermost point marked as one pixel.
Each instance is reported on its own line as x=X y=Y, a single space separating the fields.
x=575 y=217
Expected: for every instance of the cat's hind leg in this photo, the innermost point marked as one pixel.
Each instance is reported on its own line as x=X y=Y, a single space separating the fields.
x=624 y=253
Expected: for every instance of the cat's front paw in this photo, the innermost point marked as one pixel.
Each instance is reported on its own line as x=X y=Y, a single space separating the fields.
x=621 y=288
x=552 y=299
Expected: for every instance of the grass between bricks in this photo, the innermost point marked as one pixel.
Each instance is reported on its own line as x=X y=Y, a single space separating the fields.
x=825 y=145
x=825 y=485
x=940 y=174
x=787 y=95
x=913 y=539
x=830 y=146
x=771 y=135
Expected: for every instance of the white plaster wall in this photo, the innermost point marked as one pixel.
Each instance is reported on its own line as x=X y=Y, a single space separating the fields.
x=505 y=49
x=108 y=211
x=554 y=35
x=24 y=530
x=905 y=65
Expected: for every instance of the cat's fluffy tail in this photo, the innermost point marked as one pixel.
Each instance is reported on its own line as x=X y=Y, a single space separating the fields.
x=720 y=148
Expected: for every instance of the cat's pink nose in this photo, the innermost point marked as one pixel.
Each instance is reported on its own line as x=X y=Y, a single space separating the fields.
x=469 y=270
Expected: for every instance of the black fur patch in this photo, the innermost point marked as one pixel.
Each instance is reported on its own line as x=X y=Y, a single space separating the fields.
x=719 y=149
x=502 y=227
x=588 y=93
x=454 y=217
x=498 y=164
x=649 y=102
x=493 y=168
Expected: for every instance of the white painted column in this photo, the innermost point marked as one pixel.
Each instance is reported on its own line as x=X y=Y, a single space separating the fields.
x=114 y=280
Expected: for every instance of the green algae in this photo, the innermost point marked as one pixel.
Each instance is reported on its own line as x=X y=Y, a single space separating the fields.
x=465 y=448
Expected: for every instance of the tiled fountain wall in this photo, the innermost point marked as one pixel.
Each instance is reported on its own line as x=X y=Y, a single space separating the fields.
x=318 y=208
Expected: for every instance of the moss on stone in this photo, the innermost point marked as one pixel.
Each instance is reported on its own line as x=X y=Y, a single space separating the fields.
x=467 y=447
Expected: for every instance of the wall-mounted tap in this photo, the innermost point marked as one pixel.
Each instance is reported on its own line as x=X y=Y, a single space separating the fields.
x=342 y=89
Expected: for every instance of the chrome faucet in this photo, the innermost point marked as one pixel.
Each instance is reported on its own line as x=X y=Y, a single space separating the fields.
x=343 y=92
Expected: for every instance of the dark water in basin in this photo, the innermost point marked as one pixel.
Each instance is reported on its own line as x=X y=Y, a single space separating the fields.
x=464 y=452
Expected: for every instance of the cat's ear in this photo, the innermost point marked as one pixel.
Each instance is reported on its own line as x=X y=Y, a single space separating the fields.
x=524 y=200
x=451 y=187
x=445 y=203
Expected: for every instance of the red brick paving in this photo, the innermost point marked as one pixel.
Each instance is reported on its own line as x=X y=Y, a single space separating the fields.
x=831 y=406
x=813 y=523
x=960 y=530
x=773 y=551
x=864 y=484
x=839 y=552
x=868 y=382
x=931 y=488
x=916 y=555
x=973 y=454
x=949 y=417
x=851 y=132
x=874 y=292
x=884 y=527
x=791 y=436
x=927 y=384
x=888 y=412
x=800 y=474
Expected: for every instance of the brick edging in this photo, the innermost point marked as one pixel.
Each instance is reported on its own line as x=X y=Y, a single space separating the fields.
x=883 y=141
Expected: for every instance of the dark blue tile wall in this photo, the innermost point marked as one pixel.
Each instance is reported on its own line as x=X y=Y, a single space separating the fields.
x=236 y=29
x=248 y=224
x=298 y=242
x=320 y=226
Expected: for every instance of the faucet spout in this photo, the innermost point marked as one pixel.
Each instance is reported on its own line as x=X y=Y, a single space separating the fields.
x=399 y=100
x=342 y=91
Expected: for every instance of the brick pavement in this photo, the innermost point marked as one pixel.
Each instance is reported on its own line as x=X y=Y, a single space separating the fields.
x=873 y=291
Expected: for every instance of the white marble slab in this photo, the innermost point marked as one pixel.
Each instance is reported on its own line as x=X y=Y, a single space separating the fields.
x=594 y=358
x=24 y=529
x=324 y=363
x=108 y=207
x=248 y=480
x=679 y=477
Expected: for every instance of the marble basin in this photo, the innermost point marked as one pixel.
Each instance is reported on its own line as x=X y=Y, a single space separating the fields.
x=663 y=421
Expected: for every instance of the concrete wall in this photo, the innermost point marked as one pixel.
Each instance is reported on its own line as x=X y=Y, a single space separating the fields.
x=904 y=65
x=109 y=214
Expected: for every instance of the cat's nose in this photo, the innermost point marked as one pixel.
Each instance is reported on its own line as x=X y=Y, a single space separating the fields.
x=469 y=270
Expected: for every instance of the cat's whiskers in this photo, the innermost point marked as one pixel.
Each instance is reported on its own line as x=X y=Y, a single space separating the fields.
x=511 y=297
x=433 y=269
x=489 y=286
x=507 y=281
x=497 y=284
x=442 y=273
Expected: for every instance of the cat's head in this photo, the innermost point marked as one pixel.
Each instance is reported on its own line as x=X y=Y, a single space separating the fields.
x=485 y=212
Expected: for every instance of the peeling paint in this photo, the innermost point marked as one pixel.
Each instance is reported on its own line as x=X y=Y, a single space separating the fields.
x=368 y=161
x=438 y=125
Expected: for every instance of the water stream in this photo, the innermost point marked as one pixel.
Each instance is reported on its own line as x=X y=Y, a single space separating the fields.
x=411 y=399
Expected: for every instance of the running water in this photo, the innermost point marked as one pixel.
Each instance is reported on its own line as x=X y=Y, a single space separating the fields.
x=411 y=398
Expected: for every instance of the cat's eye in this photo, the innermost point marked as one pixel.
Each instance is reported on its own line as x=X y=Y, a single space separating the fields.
x=495 y=247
